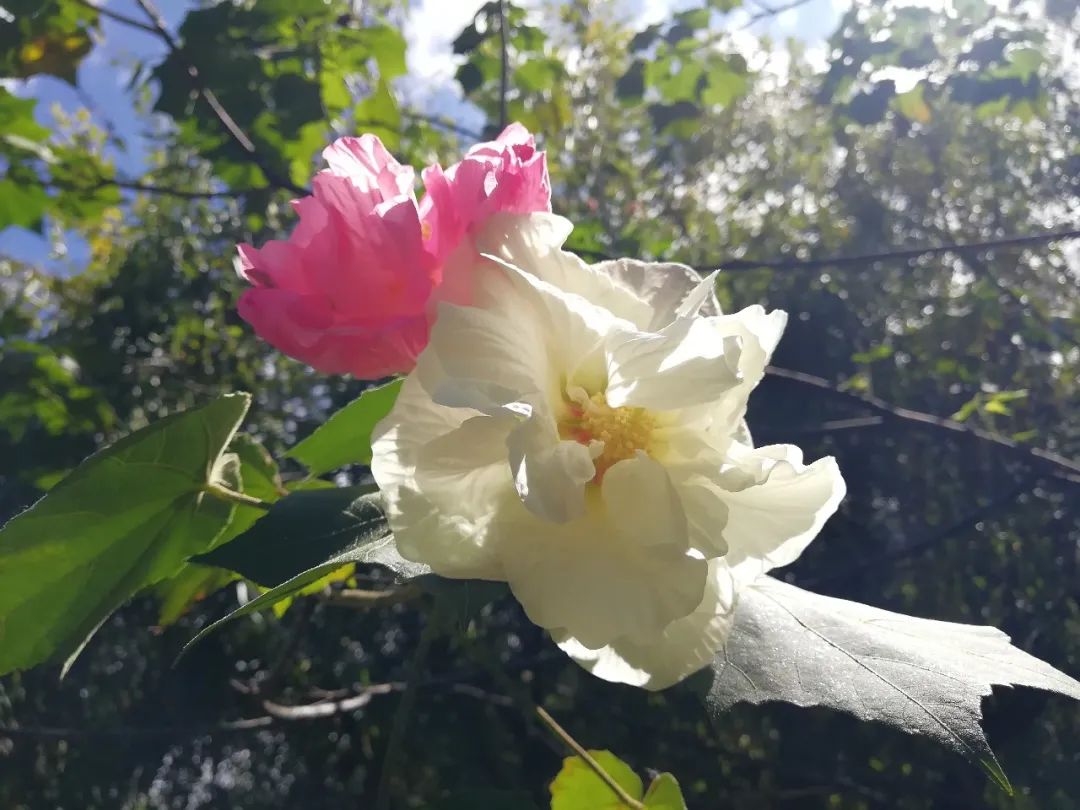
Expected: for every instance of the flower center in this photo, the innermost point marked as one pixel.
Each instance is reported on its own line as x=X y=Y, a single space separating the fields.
x=623 y=430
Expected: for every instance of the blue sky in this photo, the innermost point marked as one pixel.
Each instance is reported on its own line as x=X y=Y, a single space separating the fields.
x=430 y=27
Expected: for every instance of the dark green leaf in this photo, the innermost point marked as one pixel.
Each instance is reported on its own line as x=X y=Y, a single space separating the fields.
x=301 y=531
x=360 y=530
x=923 y=677
x=469 y=77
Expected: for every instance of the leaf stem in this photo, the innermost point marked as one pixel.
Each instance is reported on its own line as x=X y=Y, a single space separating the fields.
x=224 y=494
x=587 y=758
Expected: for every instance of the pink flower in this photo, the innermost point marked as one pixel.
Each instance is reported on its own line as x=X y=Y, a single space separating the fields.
x=353 y=289
x=505 y=175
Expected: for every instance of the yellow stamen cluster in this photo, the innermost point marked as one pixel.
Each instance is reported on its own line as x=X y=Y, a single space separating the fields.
x=623 y=430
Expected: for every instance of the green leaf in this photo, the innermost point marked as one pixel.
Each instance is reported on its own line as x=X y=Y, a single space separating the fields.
x=359 y=529
x=193 y=583
x=379 y=113
x=345 y=438
x=127 y=517
x=577 y=787
x=17 y=117
x=302 y=530
x=665 y=794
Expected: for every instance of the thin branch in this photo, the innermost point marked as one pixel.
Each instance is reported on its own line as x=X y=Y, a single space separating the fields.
x=772 y=11
x=587 y=758
x=905 y=254
x=116 y=16
x=395 y=745
x=328 y=708
x=1044 y=460
x=227 y=121
x=148 y=188
x=504 y=78
x=224 y=494
x=811 y=431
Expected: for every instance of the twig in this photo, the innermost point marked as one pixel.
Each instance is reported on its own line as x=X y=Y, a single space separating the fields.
x=211 y=99
x=64 y=733
x=587 y=758
x=395 y=744
x=328 y=708
x=135 y=185
x=962 y=524
x=360 y=599
x=224 y=494
x=116 y=16
x=504 y=78
x=1045 y=460
x=809 y=431
x=772 y=11
x=529 y=707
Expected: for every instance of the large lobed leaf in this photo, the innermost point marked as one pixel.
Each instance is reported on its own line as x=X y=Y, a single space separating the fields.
x=922 y=676
x=127 y=517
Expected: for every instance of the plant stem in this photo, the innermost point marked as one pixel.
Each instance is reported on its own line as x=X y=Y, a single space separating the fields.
x=224 y=494
x=522 y=699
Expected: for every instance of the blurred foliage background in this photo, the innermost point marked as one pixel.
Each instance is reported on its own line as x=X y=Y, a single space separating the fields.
x=694 y=139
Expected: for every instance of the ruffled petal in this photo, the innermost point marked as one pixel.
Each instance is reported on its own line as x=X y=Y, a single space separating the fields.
x=302 y=326
x=776 y=505
x=549 y=473
x=681 y=649
x=670 y=290
x=684 y=365
x=534 y=243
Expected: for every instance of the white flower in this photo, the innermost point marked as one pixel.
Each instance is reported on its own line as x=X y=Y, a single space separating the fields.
x=577 y=432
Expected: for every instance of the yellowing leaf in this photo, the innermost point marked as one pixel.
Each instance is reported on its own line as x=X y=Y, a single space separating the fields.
x=912 y=105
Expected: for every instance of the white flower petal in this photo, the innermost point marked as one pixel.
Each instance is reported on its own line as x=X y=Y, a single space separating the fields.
x=549 y=474
x=685 y=364
x=432 y=521
x=671 y=290
x=776 y=506
x=580 y=577
x=758 y=332
x=681 y=649
x=486 y=359
x=642 y=504
x=533 y=243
